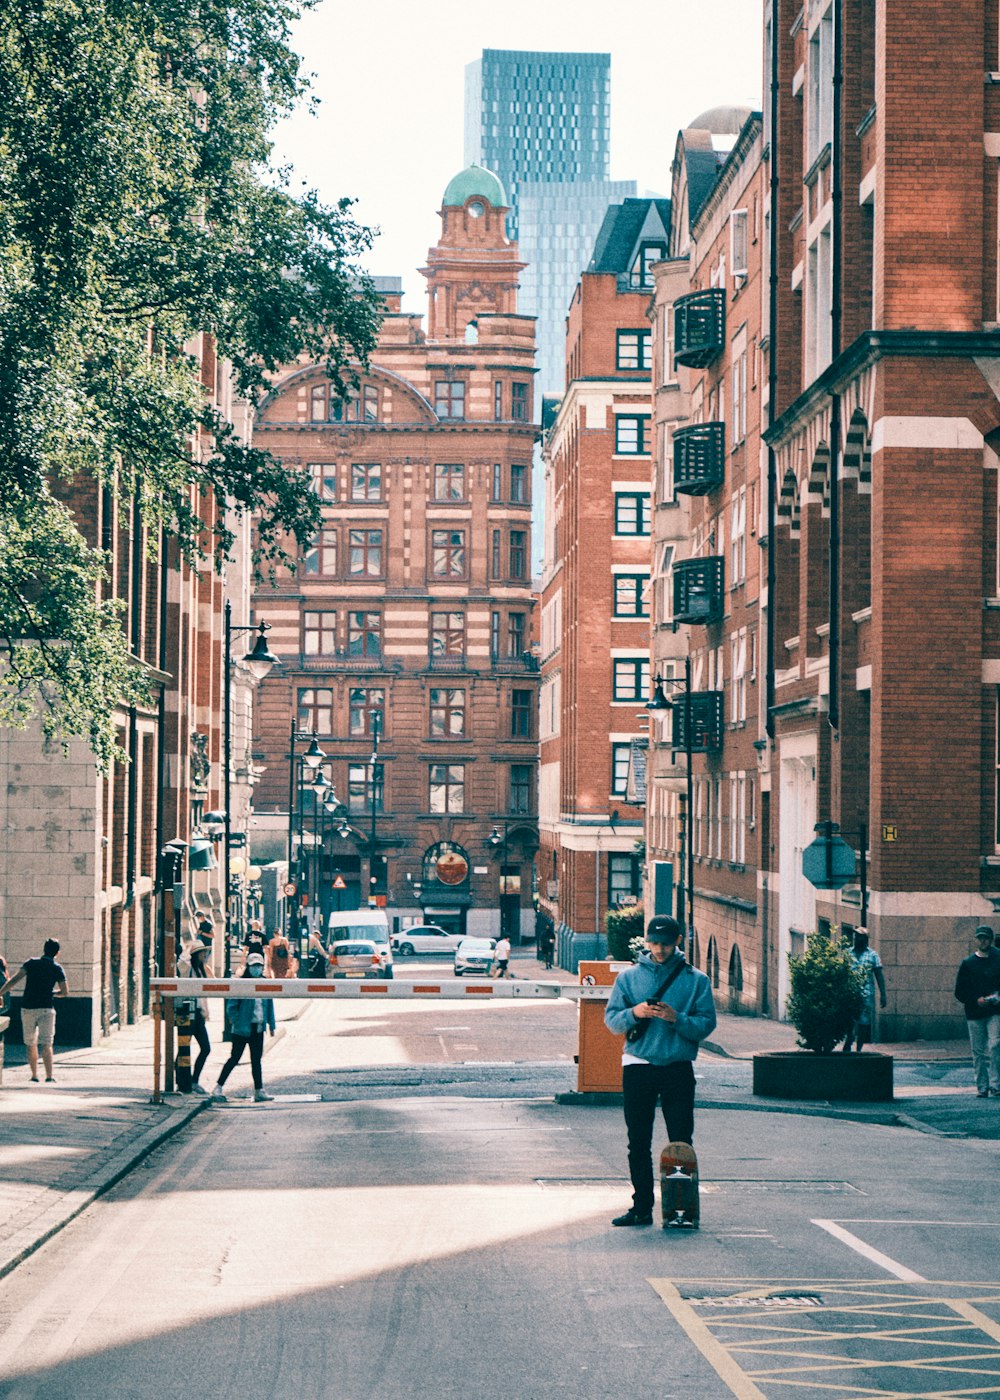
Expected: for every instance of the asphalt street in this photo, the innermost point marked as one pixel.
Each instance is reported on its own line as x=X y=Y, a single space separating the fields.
x=417 y=1216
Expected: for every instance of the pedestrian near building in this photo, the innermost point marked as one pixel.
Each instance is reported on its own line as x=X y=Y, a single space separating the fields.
x=191 y=963
x=503 y=955
x=279 y=953
x=249 y=1017
x=44 y=980
x=977 y=987
x=868 y=962
x=664 y=1008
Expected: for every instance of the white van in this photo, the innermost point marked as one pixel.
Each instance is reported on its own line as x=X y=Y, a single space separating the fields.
x=361 y=923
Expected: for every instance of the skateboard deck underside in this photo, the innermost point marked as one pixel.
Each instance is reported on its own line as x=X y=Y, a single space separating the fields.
x=679 y=1196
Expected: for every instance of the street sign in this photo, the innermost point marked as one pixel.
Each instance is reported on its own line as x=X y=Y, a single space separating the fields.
x=828 y=862
x=288 y=889
x=339 y=883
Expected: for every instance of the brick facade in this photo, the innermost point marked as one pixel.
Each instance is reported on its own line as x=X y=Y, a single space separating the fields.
x=416 y=601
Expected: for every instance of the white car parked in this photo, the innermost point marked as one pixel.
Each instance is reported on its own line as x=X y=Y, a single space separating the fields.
x=424 y=938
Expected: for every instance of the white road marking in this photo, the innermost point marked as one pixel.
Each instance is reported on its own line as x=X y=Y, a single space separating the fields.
x=867 y=1251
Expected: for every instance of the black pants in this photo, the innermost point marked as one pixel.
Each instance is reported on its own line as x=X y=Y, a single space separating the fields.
x=199 y=1032
x=642 y=1086
x=255 y=1040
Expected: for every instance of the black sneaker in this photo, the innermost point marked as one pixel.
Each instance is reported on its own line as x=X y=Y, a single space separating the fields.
x=634 y=1217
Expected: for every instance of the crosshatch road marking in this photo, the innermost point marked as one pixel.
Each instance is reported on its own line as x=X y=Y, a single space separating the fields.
x=853 y=1340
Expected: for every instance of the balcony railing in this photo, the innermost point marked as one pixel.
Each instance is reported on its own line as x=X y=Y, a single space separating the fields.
x=706 y=721
x=514 y=665
x=698 y=590
x=342 y=661
x=699 y=327
x=448 y=661
x=699 y=458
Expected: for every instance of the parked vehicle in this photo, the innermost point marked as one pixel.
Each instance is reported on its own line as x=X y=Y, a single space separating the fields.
x=358 y=957
x=424 y=938
x=475 y=955
x=354 y=924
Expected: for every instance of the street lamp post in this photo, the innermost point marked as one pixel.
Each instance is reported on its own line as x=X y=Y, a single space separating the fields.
x=496 y=840
x=660 y=703
x=312 y=760
x=375 y=717
x=258 y=661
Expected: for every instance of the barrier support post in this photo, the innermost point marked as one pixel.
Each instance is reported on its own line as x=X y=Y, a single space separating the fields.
x=157 y=1031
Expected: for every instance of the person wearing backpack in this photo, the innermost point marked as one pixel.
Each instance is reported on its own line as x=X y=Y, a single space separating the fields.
x=664 y=1008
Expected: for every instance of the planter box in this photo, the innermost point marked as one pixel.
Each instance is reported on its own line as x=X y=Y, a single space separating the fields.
x=799 y=1074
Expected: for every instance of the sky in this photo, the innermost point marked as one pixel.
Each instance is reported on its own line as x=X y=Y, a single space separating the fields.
x=389 y=76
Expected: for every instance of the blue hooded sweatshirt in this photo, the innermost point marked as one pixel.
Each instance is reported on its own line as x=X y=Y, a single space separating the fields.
x=664 y=1042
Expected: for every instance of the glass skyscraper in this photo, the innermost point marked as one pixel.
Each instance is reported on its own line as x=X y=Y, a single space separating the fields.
x=542 y=122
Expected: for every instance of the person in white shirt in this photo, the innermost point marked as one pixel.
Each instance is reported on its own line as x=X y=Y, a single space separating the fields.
x=503 y=955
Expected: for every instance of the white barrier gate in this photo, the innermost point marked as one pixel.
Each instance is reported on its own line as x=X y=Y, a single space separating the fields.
x=341 y=989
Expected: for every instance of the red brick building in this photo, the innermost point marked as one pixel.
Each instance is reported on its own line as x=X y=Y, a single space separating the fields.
x=878 y=651
x=705 y=597
x=594 y=625
x=885 y=653
x=79 y=858
x=412 y=611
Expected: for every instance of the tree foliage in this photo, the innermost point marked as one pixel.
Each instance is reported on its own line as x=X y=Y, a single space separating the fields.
x=826 y=996
x=623 y=926
x=137 y=212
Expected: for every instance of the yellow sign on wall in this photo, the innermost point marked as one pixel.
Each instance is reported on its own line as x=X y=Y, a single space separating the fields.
x=890 y=831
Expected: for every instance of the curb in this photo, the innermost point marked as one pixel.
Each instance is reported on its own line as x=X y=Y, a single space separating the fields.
x=14 y=1251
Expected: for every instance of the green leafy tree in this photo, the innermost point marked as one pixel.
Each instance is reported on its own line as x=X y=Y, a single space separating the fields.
x=138 y=212
x=826 y=996
x=623 y=926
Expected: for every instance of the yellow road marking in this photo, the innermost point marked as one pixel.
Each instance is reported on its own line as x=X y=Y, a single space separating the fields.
x=714 y=1353
x=786 y=1342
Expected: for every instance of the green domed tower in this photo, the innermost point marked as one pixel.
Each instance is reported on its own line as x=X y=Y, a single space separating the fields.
x=474 y=268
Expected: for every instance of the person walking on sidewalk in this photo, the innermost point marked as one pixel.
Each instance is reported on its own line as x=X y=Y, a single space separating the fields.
x=191 y=963
x=44 y=980
x=503 y=955
x=977 y=987
x=664 y=1008
x=867 y=962
x=248 y=1017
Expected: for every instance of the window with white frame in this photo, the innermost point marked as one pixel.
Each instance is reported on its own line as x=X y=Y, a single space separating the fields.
x=738 y=241
x=737 y=818
x=739 y=396
x=620 y=755
x=818 y=327
x=663 y=611
x=738 y=537
x=819 y=117
x=717 y=813
x=668 y=373
x=738 y=693
x=630 y=677
x=665 y=465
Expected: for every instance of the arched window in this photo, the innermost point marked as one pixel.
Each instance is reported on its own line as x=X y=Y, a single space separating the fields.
x=735 y=970
x=712 y=962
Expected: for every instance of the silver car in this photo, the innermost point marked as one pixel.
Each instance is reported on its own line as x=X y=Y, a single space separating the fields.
x=475 y=955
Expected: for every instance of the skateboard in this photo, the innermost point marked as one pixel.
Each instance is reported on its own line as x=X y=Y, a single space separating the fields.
x=679 y=1187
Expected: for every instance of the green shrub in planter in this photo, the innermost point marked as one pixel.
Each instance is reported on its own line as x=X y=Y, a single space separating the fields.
x=621 y=926
x=826 y=996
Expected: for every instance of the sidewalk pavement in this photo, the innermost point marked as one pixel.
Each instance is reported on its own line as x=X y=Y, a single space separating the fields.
x=63 y=1146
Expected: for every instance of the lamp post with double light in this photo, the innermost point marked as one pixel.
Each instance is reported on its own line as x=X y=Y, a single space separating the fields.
x=499 y=842
x=299 y=765
x=661 y=703
x=258 y=662
x=375 y=719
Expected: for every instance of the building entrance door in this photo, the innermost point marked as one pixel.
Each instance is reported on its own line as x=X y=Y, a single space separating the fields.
x=797 y=897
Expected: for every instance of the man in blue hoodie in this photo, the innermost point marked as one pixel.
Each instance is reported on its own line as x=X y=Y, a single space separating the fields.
x=664 y=1022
